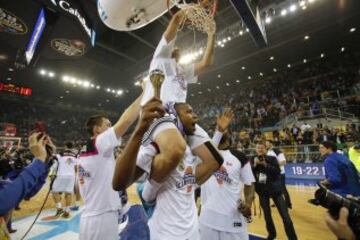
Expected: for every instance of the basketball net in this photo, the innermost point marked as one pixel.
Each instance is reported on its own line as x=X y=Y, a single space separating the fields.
x=199 y=16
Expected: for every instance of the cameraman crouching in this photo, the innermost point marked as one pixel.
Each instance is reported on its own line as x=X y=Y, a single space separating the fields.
x=31 y=179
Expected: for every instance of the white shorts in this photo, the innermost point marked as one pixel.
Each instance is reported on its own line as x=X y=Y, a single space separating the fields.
x=103 y=226
x=64 y=184
x=207 y=233
x=156 y=236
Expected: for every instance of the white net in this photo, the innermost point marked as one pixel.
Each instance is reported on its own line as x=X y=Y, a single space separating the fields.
x=199 y=17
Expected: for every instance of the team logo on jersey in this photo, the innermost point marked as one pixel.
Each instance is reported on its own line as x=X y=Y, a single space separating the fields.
x=222 y=176
x=188 y=180
x=180 y=79
x=83 y=174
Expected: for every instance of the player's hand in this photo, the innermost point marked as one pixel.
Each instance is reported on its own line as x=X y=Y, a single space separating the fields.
x=150 y=111
x=50 y=144
x=244 y=209
x=180 y=15
x=37 y=145
x=340 y=227
x=224 y=120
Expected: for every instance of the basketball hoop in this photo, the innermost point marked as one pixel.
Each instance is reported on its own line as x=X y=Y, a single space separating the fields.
x=199 y=14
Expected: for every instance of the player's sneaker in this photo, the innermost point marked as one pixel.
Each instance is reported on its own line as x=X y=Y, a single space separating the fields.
x=149 y=207
x=65 y=215
x=58 y=213
x=74 y=208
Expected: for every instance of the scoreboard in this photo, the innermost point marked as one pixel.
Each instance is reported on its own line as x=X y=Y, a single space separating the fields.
x=12 y=88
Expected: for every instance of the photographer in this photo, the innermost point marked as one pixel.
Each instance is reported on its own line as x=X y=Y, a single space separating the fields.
x=341 y=175
x=268 y=185
x=32 y=178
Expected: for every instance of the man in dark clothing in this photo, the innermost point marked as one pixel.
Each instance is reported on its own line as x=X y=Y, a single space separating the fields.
x=268 y=185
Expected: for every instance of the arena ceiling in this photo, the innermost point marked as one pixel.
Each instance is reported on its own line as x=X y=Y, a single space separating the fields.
x=119 y=57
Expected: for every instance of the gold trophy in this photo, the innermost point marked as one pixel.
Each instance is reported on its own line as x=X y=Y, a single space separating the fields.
x=157 y=78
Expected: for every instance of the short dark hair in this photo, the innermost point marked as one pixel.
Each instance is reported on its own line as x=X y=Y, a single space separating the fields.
x=93 y=121
x=329 y=145
x=260 y=143
x=69 y=145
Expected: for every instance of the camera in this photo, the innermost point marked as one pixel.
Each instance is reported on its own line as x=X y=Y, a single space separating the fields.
x=333 y=202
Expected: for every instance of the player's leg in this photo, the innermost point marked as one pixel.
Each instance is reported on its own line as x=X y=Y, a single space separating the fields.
x=234 y=236
x=68 y=201
x=77 y=196
x=58 y=205
x=207 y=233
x=103 y=226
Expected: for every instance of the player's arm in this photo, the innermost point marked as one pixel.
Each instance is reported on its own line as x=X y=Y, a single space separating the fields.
x=222 y=123
x=125 y=169
x=211 y=161
x=127 y=118
x=171 y=30
x=208 y=57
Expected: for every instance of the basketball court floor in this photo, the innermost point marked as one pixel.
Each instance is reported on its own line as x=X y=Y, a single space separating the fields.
x=308 y=219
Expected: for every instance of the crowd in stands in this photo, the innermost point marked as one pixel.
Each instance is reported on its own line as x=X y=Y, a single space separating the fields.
x=305 y=90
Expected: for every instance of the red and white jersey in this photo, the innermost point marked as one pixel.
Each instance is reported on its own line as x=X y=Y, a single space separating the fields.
x=280 y=157
x=220 y=195
x=66 y=164
x=96 y=169
x=177 y=77
x=175 y=215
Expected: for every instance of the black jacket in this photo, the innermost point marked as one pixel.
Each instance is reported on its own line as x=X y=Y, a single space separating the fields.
x=272 y=172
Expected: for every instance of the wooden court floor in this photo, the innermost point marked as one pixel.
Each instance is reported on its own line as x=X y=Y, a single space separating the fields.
x=308 y=219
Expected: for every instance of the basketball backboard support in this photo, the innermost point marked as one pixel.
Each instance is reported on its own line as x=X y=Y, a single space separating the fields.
x=249 y=12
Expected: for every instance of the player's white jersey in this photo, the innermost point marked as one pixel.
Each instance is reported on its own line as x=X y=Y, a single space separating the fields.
x=220 y=195
x=177 y=77
x=280 y=157
x=66 y=163
x=96 y=169
x=175 y=215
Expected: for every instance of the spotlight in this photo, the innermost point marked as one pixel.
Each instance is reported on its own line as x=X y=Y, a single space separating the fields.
x=247 y=30
x=241 y=33
x=199 y=93
x=113 y=91
x=243 y=67
x=304 y=7
x=268 y=20
x=306 y=37
x=209 y=90
x=86 y=84
x=227 y=84
x=42 y=72
x=73 y=80
x=108 y=90
x=65 y=78
x=343 y=49
x=293 y=8
x=305 y=60
x=271 y=58
x=217 y=87
x=9 y=79
x=11 y=69
x=275 y=70
x=107 y=100
x=289 y=65
x=249 y=77
x=219 y=75
x=322 y=55
x=67 y=91
x=311 y=1
x=237 y=80
x=261 y=74
x=92 y=85
x=352 y=29
x=119 y=92
x=229 y=38
x=97 y=87
x=302 y=3
x=283 y=12
x=51 y=74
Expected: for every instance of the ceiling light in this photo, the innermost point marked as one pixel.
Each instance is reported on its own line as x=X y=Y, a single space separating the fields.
x=98 y=87
x=229 y=38
x=275 y=70
x=342 y=49
x=42 y=72
x=92 y=85
x=302 y=3
x=237 y=80
x=107 y=100
x=217 y=87
x=222 y=46
x=289 y=65
x=51 y=74
x=243 y=67
x=261 y=74
x=271 y=58
x=67 y=91
x=306 y=37
x=322 y=55
x=219 y=43
x=61 y=97
x=209 y=90
x=219 y=75
x=268 y=20
x=249 y=77
x=11 y=69
x=113 y=91
x=199 y=93
x=304 y=7
x=65 y=78
x=9 y=79
x=3 y=57
x=108 y=90
x=86 y=84
x=311 y=1
x=247 y=30
x=227 y=84
x=283 y=12
x=352 y=29
x=120 y=92
x=73 y=80
x=79 y=82
x=305 y=60
x=293 y=8
x=241 y=33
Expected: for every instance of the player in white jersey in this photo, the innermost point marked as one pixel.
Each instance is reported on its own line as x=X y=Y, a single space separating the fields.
x=280 y=156
x=223 y=213
x=175 y=215
x=64 y=180
x=174 y=89
x=99 y=219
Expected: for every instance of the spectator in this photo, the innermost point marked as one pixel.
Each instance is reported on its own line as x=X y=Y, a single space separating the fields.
x=354 y=155
x=341 y=175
